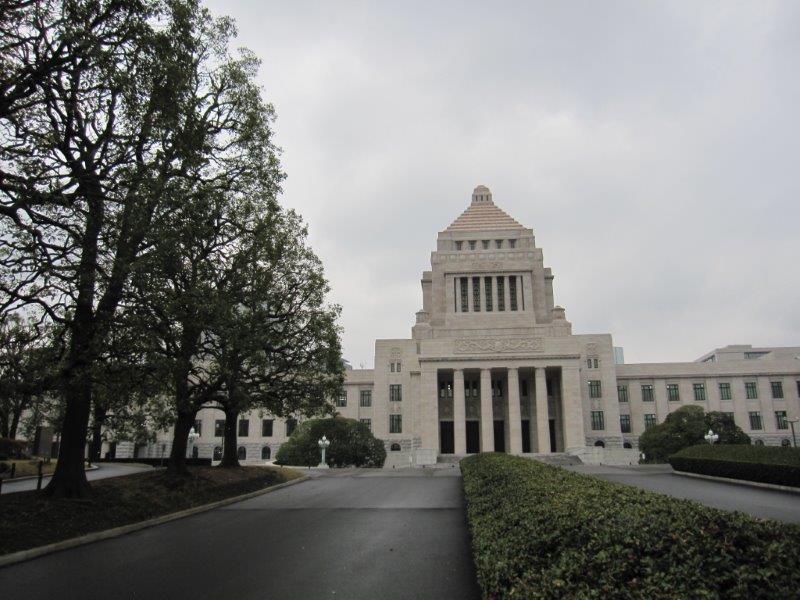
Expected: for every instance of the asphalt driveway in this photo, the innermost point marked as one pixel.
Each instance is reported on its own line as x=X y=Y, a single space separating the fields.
x=759 y=502
x=366 y=534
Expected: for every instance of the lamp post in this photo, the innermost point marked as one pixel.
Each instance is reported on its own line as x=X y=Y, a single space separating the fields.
x=323 y=444
x=794 y=439
x=193 y=435
x=711 y=437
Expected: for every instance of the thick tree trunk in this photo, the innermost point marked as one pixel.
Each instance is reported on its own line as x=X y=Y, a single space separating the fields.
x=230 y=456
x=96 y=445
x=14 y=425
x=180 y=438
x=69 y=478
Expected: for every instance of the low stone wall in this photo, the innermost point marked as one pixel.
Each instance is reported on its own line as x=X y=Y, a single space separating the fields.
x=595 y=455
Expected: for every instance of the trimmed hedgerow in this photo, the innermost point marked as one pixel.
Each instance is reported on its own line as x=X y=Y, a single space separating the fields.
x=539 y=531
x=765 y=464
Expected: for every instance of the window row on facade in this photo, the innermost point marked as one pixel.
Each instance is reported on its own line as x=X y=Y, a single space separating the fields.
x=754 y=417
x=365 y=396
x=243 y=429
x=488 y=293
x=485 y=244
x=699 y=391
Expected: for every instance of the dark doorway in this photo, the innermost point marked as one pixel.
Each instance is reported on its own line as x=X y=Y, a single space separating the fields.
x=447 y=443
x=552 y=435
x=473 y=437
x=526 y=435
x=499 y=436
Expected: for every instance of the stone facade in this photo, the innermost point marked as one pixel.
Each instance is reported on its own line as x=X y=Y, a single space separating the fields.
x=492 y=364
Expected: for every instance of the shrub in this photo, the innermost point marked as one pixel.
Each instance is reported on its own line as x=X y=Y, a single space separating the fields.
x=352 y=444
x=686 y=427
x=544 y=532
x=766 y=464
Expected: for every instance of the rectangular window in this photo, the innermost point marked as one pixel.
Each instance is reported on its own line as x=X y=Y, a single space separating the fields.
x=622 y=393
x=464 y=297
x=596 y=362
x=649 y=421
x=367 y=422
x=512 y=291
x=487 y=288
x=498 y=244
x=342 y=400
x=472 y=244
x=777 y=389
x=476 y=294
x=459 y=245
x=198 y=427
x=266 y=427
x=244 y=428
x=647 y=393
x=751 y=390
x=395 y=392
x=625 y=423
x=291 y=425
x=598 y=423
x=399 y=366
x=219 y=428
x=755 y=419
x=365 y=398
x=485 y=244
x=395 y=423
x=725 y=391
x=673 y=395
x=594 y=389
x=588 y=363
x=501 y=293
x=391 y=367
x=729 y=414
x=780 y=419
x=699 y=391
x=512 y=243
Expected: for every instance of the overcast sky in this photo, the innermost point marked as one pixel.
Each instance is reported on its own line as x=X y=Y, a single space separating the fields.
x=653 y=148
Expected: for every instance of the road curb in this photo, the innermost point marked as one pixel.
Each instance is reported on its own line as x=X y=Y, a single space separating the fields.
x=755 y=484
x=96 y=536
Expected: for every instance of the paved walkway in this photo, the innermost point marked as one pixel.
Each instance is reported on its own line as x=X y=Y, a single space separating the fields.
x=349 y=535
x=759 y=502
x=103 y=471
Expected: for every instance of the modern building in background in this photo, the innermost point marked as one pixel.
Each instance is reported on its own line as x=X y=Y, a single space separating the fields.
x=492 y=364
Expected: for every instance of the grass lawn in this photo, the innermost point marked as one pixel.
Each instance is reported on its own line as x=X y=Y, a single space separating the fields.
x=29 y=519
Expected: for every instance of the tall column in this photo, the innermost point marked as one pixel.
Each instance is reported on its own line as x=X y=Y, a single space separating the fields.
x=572 y=401
x=459 y=413
x=542 y=416
x=514 y=418
x=429 y=413
x=487 y=416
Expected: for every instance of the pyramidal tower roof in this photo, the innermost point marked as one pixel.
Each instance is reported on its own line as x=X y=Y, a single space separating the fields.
x=483 y=214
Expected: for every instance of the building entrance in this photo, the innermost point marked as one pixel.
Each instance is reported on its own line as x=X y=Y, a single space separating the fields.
x=526 y=435
x=473 y=437
x=499 y=436
x=446 y=437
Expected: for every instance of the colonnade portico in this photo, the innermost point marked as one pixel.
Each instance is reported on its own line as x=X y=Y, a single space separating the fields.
x=504 y=408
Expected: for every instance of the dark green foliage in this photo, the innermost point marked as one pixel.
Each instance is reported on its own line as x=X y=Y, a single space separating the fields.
x=766 y=464
x=352 y=444
x=13 y=448
x=686 y=427
x=542 y=532
x=725 y=427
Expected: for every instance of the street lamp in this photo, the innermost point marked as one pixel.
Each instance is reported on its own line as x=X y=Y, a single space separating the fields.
x=193 y=435
x=794 y=440
x=323 y=444
x=711 y=437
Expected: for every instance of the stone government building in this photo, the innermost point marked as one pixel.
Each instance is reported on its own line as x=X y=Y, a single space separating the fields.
x=492 y=365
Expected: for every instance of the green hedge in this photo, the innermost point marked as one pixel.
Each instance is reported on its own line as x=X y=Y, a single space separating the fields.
x=543 y=532
x=766 y=464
